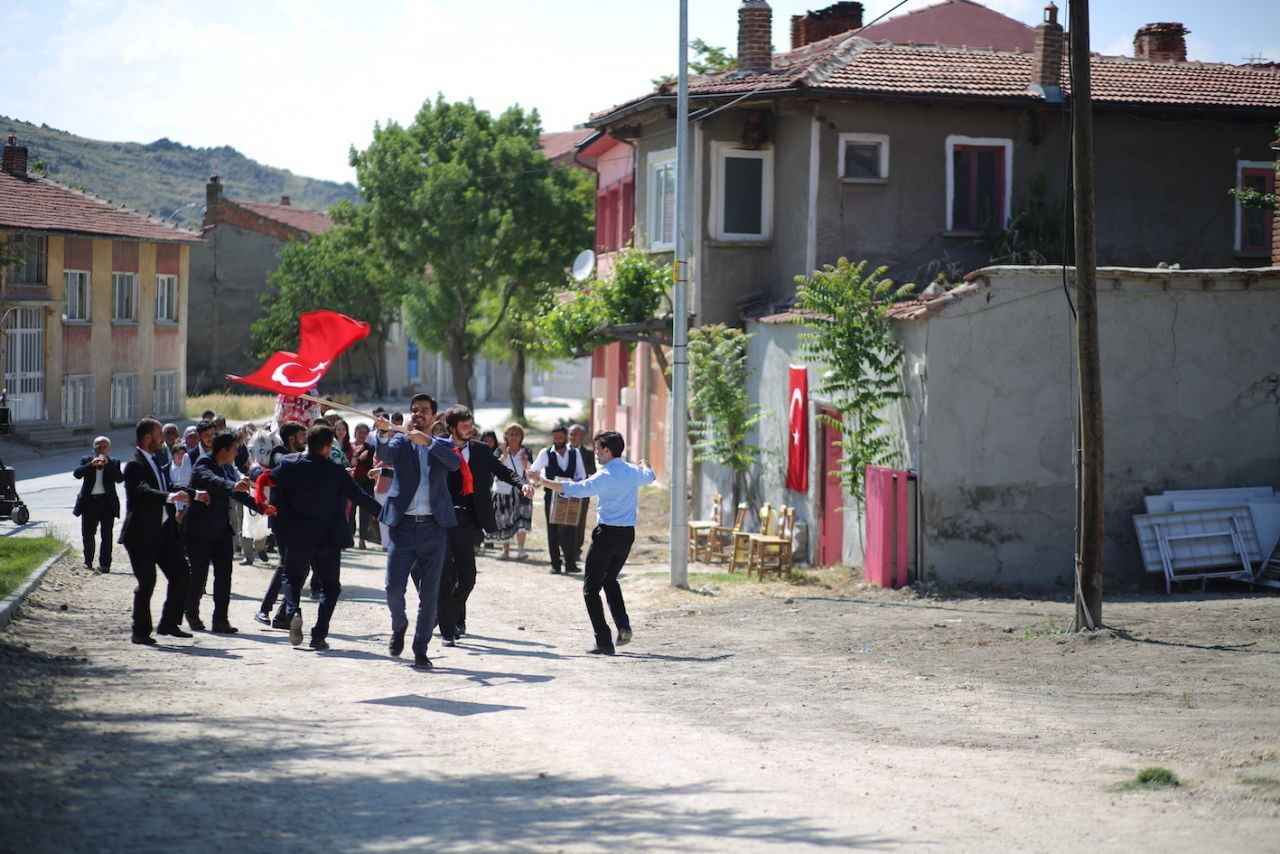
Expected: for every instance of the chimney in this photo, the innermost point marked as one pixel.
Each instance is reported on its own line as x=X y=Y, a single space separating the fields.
x=1275 y=222
x=755 y=36
x=1164 y=42
x=831 y=21
x=15 y=158
x=284 y=200
x=1046 y=61
x=212 y=195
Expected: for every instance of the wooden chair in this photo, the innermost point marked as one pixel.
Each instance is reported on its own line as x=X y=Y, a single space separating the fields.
x=720 y=541
x=700 y=531
x=741 y=557
x=772 y=553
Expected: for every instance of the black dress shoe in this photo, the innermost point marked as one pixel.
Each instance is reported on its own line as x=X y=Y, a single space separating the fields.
x=462 y=630
x=319 y=644
x=173 y=632
x=397 y=642
x=145 y=640
x=196 y=624
x=262 y=617
x=624 y=637
x=280 y=622
x=262 y=556
x=104 y=569
x=600 y=650
x=450 y=642
x=573 y=570
x=555 y=570
x=222 y=627
x=421 y=662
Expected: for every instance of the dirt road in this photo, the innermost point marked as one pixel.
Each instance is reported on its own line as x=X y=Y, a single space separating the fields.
x=800 y=716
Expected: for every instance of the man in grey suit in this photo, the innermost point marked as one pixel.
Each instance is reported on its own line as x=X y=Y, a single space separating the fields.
x=418 y=510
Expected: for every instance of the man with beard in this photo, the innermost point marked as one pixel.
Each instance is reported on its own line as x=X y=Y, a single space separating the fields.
x=418 y=512
x=555 y=462
x=576 y=434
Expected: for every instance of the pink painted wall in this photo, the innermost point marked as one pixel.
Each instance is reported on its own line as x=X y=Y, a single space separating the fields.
x=124 y=348
x=168 y=348
x=77 y=355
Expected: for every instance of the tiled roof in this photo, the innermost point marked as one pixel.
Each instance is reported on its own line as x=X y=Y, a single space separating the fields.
x=559 y=145
x=914 y=309
x=38 y=204
x=312 y=222
x=958 y=22
x=852 y=65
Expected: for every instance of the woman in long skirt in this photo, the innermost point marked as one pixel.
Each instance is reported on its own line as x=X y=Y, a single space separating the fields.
x=512 y=511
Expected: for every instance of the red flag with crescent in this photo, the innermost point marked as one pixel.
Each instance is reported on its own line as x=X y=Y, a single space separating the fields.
x=322 y=337
x=798 y=417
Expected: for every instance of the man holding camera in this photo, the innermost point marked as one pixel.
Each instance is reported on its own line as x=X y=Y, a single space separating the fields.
x=98 y=504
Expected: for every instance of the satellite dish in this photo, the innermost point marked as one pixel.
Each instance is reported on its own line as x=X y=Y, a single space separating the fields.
x=583 y=265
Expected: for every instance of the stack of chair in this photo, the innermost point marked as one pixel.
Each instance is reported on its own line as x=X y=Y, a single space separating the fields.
x=700 y=531
x=770 y=551
x=740 y=558
x=721 y=540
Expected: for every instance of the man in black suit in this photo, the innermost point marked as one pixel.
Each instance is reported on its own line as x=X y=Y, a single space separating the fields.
x=470 y=488
x=208 y=532
x=310 y=501
x=293 y=441
x=150 y=535
x=98 y=504
x=576 y=434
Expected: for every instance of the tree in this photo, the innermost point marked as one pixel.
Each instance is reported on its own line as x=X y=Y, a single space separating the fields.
x=852 y=336
x=706 y=59
x=467 y=208
x=336 y=270
x=721 y=413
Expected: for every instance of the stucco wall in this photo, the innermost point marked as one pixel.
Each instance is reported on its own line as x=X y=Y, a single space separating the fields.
x=1191 y=398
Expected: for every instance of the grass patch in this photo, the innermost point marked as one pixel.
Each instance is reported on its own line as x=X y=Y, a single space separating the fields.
x=1150 y=778
x=1048 y=627
x=1267 y=788
x=1186 y=701
x=235 y=407
x=20 y=555
x=698 y=579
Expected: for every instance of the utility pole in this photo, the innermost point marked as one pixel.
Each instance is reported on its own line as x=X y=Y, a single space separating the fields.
x=680 y=326
x=1090 y=510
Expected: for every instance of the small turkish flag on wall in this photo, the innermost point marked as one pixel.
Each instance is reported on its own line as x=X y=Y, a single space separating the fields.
x=322 y=337
x=798 y=418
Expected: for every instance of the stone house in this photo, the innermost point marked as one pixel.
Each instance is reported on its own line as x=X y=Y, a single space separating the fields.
x=95 y=309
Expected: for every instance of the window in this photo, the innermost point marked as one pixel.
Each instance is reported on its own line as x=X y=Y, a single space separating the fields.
x=742 y=193
x=124 y=296
x=864 y=157
x=411 y=360
x=75 y=284
x=166 y=389
x=31 y=255
x=979 y=180
x=167 y=299
x=662 y=199
x=1254 y=225
x=77 y=400
x=124 y=397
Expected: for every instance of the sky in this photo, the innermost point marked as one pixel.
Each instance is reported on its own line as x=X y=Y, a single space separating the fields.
x=296 y=83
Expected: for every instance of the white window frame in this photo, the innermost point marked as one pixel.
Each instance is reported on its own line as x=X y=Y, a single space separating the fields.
x=656 y=160
x=126 y=401
x=31 y=250
x=86 y=304
x=116 y=317
x=166 y=298
x=881 y=139
x=165 y=385
x=1242 y=165
x=1007 y=144
x=77 y=400
x=720 y=151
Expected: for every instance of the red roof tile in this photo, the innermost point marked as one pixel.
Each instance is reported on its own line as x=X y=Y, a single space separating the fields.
x=312 y=222
x=38 y=204
x=955 y=22
x=559 y=145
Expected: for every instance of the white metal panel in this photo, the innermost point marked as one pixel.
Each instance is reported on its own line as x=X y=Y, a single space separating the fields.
x=1163 y=503
x=1199 y=553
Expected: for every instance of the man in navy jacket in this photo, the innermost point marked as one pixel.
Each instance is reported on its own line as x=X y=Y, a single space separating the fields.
x=418 y=511
x=98 y=504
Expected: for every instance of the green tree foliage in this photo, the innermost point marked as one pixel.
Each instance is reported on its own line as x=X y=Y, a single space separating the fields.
x=573 y=324
x=721 y=415
x=1250 y=197
x=337 y=270
x=852 y=336
x=706 y=59
x=467 y=208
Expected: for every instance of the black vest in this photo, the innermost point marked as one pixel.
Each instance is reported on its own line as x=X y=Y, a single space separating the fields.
x=553 y=465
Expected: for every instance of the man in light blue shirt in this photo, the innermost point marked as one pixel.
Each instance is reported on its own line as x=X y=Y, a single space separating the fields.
x=616 y=484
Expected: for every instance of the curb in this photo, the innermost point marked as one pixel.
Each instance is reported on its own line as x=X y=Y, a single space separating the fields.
x=10 y=604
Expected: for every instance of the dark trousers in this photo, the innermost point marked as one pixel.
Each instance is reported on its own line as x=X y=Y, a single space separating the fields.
x=324 y=564
x=364 y=525
x=277 y=582
x=581 y=536
x=96 y=520
x=417 y=550
x=610 y=546
x=458 y=575
x=561 y=540
x=203 y=551
x=166 y=553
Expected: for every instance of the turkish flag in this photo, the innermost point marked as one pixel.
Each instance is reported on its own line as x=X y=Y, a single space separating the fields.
x=798 y=417
x=322 y=337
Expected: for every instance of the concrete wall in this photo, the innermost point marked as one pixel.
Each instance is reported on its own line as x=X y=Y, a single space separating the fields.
x=1191 y=391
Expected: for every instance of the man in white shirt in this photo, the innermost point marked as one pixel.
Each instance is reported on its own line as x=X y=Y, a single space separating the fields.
x=553 y=463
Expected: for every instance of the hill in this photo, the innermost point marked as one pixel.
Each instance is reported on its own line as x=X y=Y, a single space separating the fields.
x=165 y=177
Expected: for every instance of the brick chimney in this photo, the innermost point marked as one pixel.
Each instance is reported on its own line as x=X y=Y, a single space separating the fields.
x=284 y=200
x=831 y=21
x=755 y=36
x=15 y=158
x=1046 y=61
x=1164 y=42
x=212 y=195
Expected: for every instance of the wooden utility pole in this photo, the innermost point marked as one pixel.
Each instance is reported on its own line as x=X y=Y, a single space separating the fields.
x=1089 y=546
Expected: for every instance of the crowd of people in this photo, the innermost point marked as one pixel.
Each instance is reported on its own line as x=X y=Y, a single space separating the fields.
x=431 y=489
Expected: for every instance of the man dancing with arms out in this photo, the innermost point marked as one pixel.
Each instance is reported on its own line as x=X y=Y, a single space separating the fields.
x=616 y=484
x=418 y=511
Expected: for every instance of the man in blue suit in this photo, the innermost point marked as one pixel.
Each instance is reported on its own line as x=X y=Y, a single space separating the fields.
x=418 y=510
x=310 y=500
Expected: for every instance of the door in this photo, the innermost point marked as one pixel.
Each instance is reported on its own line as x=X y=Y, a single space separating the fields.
x=24 y=363
x=831 y=532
